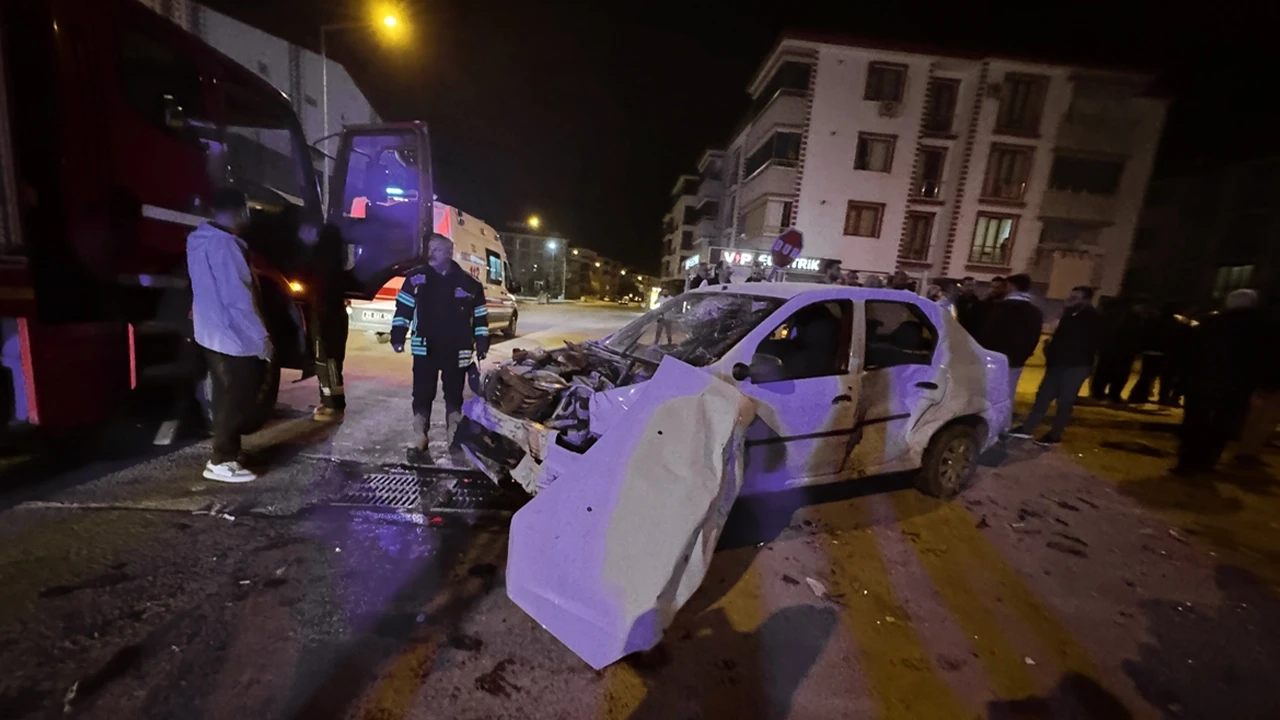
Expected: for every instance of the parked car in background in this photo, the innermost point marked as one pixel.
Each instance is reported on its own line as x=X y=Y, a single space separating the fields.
x=478 y=249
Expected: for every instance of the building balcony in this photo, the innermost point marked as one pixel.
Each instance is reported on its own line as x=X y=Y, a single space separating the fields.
x=777 y=177
x=1097 y=133
x=711 y=189
x=707 y=227
x=1083 y=207
x=786 y=109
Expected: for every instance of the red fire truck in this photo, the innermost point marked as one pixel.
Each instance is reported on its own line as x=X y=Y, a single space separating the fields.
x=115 y=126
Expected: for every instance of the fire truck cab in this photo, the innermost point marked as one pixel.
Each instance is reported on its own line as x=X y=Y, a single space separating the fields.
x=115 y=127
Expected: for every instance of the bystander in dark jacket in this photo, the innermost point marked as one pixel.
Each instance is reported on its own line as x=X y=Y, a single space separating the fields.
x=1012 y=327
x=1069 y=358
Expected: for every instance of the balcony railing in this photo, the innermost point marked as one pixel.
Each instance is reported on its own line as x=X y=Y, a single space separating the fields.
x=926 y=190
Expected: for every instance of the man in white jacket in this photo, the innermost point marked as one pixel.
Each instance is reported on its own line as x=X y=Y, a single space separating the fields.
x=228 y=327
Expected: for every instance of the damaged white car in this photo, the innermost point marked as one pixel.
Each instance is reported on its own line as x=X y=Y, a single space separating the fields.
x=637 y=446
x=847 y=382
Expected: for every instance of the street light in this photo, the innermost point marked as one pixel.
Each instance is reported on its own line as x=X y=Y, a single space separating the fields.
x=624 y=272
x=551 y=248
x=534 y=221
x=390 y=22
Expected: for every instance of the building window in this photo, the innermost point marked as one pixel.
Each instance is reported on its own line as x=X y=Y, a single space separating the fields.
x=863 y=219
x=1007 y=170
x=930 y=163
x=786 y=214
x=993 y=239
x=940 y=111
x=875 y=152
x=1021 y=103
x=919 y=233
x=1087 y=175
x=1231 y=278
x=782 y=148
x=686 y=240
x=885 y=82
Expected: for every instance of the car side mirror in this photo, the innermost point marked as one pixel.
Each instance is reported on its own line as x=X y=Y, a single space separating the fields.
x=763 y=368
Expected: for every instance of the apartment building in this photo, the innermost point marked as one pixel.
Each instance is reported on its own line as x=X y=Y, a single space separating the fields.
x=942 y=164
x=1207 y=231
x=679 y=226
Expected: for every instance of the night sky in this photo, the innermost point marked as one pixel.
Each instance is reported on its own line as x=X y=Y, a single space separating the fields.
x=586 y=112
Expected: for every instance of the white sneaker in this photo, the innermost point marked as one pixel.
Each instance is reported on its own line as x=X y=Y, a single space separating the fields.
x=228 y=472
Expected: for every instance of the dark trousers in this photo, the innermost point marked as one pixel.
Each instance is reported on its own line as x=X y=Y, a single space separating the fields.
x=1210 y=419
x=1061 y=384
x=236 y=384
x=427 y=371
x=1110 y=376
x=1152 y=369
x=330 y=351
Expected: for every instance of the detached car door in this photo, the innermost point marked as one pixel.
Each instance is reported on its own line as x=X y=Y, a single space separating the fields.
x=806 y=413
x=901 y=382
x=381 y=202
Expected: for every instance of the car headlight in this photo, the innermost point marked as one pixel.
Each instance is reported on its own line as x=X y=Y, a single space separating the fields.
x=296 y=287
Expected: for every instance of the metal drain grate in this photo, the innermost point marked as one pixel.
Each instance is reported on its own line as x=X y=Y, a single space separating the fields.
x=480 y=495
x=395 y=492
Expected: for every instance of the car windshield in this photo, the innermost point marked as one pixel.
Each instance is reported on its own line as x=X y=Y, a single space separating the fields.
x=697 y=328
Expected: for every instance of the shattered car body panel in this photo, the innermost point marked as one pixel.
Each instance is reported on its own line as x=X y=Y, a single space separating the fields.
x=604 y=557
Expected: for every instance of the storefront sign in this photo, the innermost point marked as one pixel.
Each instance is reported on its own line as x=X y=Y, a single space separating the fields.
x=690 y=262
x=749 y=258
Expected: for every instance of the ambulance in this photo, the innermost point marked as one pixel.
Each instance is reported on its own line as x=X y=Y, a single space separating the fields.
x=477 y=248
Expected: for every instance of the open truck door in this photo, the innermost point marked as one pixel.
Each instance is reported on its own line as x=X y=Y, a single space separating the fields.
x=381 y=201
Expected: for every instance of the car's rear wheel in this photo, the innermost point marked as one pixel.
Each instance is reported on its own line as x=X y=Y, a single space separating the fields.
x=949 y=462
x=510 y=331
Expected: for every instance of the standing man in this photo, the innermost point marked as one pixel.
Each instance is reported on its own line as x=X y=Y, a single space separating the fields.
x=832 y=273
x=228 y=327
x=442 y=310
x=1012 y=327
x=997 y=290
x=329 y=323
x=1223 y=370
x=1068 y=361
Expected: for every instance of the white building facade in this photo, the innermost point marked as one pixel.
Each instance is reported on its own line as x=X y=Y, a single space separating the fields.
x=943 y=166
x=291 y=69
x=679 y=228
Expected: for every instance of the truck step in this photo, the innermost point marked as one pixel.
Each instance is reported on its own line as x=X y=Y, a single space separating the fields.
x=162 y=327
x=168 y=373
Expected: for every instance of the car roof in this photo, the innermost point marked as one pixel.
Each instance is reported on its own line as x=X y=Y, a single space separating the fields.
x=789 y=290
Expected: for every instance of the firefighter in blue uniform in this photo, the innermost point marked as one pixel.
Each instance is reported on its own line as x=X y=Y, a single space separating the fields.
x=441 y=309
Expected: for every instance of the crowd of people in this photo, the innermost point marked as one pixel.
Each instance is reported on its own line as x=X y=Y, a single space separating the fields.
x=1208 y=366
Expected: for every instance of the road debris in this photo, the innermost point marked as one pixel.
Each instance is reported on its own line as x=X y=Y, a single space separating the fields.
x=1028 y=661
x=1065 y=548
x=1174 y=534
x=70 y=696
x=818 y=588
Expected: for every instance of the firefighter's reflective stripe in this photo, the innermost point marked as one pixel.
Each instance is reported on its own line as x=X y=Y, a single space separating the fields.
x=482 y=311
x=482 y=330
x=400 y=322
x=407 y=299
x=464 y=358
x=418 y=346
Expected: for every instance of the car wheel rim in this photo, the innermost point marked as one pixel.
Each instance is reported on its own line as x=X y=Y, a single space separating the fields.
x=956 y=463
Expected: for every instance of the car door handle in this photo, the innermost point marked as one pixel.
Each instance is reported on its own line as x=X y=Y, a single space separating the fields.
x=927 y=385
x=841 y=399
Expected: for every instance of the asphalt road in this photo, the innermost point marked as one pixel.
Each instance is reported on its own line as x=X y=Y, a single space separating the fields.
x=1078 y=582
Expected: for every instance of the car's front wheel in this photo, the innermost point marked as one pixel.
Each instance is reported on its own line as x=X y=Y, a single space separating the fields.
x=511 y=326
x=949 y=462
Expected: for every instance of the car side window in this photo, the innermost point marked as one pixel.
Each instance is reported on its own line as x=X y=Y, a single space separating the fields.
x=898 y=333
x=813 y=342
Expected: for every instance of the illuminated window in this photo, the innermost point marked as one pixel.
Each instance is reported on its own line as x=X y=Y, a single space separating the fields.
x=993 y=239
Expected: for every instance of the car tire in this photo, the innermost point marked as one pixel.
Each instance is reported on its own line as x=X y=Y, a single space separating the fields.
x=263 y=408
x=382 y=338
x=510 y=330
x=949 y=462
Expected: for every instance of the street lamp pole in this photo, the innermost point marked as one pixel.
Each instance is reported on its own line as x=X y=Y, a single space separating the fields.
x=390 y=21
